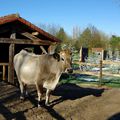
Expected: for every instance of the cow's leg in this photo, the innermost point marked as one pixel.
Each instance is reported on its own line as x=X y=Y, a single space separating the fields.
x=39 y=92
x=22 y=90
x=21 y=85
x=47 y=97
x=25 y=90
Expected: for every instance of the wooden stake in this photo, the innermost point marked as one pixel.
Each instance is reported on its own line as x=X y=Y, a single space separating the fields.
x=11 y=56
x=100 y=76
x=4 y=71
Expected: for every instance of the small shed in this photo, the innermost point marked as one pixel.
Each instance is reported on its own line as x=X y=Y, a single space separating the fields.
x=17 y=33
x=99 y=52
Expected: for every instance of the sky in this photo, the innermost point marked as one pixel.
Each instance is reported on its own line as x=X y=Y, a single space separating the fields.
x=103 y=14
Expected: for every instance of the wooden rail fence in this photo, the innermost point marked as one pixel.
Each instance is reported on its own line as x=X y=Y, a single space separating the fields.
x=100 y=65
x=4 y=65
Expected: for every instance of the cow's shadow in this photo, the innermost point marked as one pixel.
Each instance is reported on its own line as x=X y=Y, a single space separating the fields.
x=70 y=91
x=67 y=91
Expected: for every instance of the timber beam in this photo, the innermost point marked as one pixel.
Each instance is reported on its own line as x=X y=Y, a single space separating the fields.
x=24 y=41
x=43 y=49
x=32 y=37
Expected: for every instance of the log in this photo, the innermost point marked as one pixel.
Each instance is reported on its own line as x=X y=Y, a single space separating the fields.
x=44 y=51
x=11 y=68
x=24 y=41
x=11 y=56
x=34 y=38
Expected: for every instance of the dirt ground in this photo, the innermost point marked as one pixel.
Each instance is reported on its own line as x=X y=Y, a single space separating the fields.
x=68 y=102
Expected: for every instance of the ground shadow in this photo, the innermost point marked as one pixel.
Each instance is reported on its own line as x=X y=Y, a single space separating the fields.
x=115 y=117
x=14 y=96
x=53 y=113
x=7 y=114
x=65 y=91
x=50 y=110
x=72 y=91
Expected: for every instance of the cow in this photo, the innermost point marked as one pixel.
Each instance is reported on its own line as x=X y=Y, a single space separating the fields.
x=43 y=71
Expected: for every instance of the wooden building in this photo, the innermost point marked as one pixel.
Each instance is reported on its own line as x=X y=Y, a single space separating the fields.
x=83 y=54
x=17 y=33
x=99 y=52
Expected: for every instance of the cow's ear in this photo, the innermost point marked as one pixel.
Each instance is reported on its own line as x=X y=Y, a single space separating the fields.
x=56 y=56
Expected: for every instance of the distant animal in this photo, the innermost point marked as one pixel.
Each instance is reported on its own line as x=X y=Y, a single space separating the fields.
x=43 y=71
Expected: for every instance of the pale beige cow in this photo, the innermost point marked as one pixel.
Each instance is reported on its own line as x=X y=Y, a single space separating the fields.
x=43 y=71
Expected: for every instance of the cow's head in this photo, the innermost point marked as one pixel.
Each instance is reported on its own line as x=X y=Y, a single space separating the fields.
x=66 y=60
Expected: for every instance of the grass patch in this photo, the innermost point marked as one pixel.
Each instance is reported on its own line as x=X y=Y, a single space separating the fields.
x=82 y=79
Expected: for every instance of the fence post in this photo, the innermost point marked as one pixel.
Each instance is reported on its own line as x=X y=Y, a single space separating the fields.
x=100 y=74
x=4 y=71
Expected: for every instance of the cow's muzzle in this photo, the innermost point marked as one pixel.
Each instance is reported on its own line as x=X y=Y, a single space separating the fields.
x=69 y=70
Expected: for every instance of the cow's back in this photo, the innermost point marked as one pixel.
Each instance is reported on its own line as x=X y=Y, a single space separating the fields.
x=37 y=69
x=26 y=66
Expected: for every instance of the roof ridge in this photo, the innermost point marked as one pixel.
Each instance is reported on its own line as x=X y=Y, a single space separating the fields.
x=17 y=15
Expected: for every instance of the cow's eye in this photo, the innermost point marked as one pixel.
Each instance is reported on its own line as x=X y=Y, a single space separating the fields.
x=62 y=59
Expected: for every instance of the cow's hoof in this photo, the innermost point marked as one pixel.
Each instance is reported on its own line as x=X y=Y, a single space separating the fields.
x=27 y=94
x=22 y=98
x=39 y=105
x=47 y=104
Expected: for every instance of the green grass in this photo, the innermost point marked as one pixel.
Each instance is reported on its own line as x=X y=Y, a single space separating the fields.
x=110 y=82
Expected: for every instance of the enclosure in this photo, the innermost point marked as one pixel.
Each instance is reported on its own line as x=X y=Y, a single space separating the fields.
x=17 y=33
x=74 y=98
x=94 y=69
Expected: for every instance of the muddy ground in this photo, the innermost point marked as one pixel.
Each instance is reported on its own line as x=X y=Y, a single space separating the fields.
x=68 y=102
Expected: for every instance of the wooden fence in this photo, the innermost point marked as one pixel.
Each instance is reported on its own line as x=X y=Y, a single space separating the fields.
x=100 y=65
x=99 y=74
x=4 y=66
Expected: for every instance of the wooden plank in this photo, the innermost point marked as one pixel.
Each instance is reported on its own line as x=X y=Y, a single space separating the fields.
x=11 y=68
x=84 y=63
x=80 y=53
x=111 y=62
x=110 y=74
x=34 y=38
x=35 y=33
x=42 y=48
x=23 y=41
x=11 y=56
x=30 y=36
x=94 y=64
x=6 y=64
x=4 y=71
x=100 y=75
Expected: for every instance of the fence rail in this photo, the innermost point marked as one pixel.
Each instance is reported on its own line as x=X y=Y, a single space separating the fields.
x=100 y=73
x=111 y=62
